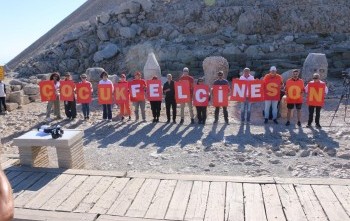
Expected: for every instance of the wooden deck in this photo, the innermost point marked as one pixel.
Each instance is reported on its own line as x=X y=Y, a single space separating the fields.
x=55 y=194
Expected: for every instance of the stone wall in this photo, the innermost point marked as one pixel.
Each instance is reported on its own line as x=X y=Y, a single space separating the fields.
x=249 y=33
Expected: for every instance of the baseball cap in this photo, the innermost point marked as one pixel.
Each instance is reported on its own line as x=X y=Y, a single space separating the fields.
x=273 y=68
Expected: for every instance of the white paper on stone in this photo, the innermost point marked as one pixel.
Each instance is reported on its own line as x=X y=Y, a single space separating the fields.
x=151 y=67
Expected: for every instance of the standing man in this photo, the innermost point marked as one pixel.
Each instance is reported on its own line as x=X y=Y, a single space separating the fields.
x=294 y=92
x=6 y=199
x=221 y=81
x=273 y=82
x=186 y=77
x=318 y=82
x=140 y=104
x=70 y=107
x=170 y=101
x=246 y=105
x=2 y=96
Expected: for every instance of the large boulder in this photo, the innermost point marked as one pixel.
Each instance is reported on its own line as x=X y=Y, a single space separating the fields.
x=11 y=106
x=16 y=97
x=315 y=63
x=152 y=67
x=31 y=89
x=212 y=65
x=109 y=51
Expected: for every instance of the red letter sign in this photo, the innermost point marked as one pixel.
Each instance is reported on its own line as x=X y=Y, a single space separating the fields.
x=154 y=89
x=220 y=95
x=84 y=93
x=294 y=91
x=273 y=90
x=201 y=95
x=47 y=91
x=105 y=94
x=256 y=93
x=316 y=94
x=137 y=90
x=121 y=93
x=67 y=91
x=239 y=90
x=182 y=92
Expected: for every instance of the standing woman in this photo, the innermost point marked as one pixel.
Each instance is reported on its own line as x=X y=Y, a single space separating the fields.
x=107 y=108
x=124 y=107
x=70 y=107
x=55 y=77
x=155 y=107
x=170 y=102
x=86 y=106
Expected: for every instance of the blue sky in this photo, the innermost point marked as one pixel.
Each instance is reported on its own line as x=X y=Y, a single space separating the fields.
x=22 y=22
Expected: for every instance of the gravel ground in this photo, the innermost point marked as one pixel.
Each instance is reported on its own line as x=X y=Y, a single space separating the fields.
x=253 y=149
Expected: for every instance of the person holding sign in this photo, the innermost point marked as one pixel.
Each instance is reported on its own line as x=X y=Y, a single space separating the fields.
x=125 y=106
x=70 y=107
x=137 y=94
x=107 y=107
x=85 y=107
x=246 y=105
x=272 y=83
x=55 y=77
x=2 y=96
x=200 y=100
x=155 y=104
x=220 y=81
x=186 y=77
x=170 y=101
x=316 y=90
x=294 y=93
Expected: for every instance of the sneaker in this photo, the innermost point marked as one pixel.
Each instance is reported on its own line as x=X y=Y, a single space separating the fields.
x=299 y=124
x=288 y=123
x=181 y=121
x=266 y=121
x=192 y=121
x=318 y=126
x=275 y=121
x=308 y=125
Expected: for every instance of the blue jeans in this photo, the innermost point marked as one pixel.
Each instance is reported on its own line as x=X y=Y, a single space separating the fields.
x=245 y=107
x=107 y=111
x=268 y=104
x=86 y=109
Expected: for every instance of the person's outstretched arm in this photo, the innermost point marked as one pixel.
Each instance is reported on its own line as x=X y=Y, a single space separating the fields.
x=6 y=200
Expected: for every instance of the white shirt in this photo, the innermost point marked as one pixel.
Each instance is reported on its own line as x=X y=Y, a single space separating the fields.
x=249 y=78
x=306 y=87
x=107 y=82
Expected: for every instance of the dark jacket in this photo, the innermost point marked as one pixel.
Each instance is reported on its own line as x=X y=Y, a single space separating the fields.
x=169 y=95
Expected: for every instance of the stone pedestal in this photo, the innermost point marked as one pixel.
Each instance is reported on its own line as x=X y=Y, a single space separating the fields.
x=33 y=151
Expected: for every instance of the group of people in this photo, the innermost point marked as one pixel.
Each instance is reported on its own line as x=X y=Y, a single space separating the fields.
x=270 y=109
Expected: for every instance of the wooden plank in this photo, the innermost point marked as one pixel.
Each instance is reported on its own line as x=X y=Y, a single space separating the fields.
x=160 y=202
x=254 y=203
x=272 y=201
x=28 y=214
x=208 y=178
x=79 y=194
x=330 y=203
x=343 y=195
x=290 y=201
x=89 y=201
x=119 y=218
x=216 y=202
x=143 y=199
x=26 y=184
x=178 y=203
x=234 y=202
x=198 y=201
x=50 y=190
x=312 y=208
x=64 y=193
x=35 y=189
x=312 y=181
x=126 y=197
x=109 y=197
x=18 y=179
